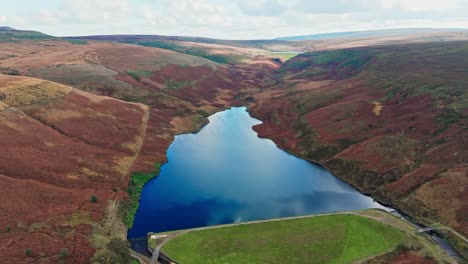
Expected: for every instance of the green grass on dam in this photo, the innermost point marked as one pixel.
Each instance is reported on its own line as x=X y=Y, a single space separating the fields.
x=323 y=239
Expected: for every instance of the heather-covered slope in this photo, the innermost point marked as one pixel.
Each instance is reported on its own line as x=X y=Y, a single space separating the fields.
x=67 y=145
x=390 y=120
x=8 y=34
x=204 y=46
x=60 y=146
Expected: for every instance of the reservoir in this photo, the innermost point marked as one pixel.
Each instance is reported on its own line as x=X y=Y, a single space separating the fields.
x=225 y=174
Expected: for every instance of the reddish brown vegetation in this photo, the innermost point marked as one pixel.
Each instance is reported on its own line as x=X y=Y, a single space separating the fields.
x=398 y=153
x=410 y=258
x=55 y=156
x=60 y=149
x=414 y=179
x=80 y=144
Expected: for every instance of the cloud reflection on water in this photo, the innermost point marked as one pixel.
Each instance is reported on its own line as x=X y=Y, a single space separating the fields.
x=225 y=173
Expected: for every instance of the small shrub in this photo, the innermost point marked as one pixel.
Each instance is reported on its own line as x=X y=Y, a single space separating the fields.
x=7 y=229
x=28 y=252
x=134 y=75
x=202 y=113
x=63 y=253
x=116 y=251
x=13 y=72
x=93 y=198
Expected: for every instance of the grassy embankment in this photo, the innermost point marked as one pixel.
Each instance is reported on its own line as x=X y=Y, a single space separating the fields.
x=324 y=239
x=199 y=52
x=129 y=208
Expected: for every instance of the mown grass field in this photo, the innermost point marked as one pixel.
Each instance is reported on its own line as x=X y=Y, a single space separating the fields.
x=323 y=239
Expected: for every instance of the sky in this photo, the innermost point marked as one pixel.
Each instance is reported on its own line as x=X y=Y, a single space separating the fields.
x=228 y=19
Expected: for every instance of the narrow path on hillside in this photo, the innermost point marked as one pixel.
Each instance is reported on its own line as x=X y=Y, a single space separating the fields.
x=146 y=116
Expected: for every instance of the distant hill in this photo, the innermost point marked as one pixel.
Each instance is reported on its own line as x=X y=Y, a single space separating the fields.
x=137 y=39
x=10 y=34
x=217 y=50
x=335 y=40
x=371 y=33
x=6 y=28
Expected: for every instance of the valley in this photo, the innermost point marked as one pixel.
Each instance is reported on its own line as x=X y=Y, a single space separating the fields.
x=79 y=117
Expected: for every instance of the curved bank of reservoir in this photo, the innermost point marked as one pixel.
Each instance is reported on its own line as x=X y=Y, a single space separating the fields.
x=226 y=174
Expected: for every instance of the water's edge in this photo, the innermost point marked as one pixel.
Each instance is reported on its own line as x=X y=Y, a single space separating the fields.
x=394 y=210
x=436 y=236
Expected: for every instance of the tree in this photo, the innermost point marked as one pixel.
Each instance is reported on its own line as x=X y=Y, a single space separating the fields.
x=93 y=198
x=28 y=252
x=120 y=247
x=115 y=252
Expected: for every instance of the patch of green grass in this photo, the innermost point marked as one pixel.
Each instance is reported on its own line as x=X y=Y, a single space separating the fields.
x=302 y=127
x=338 y=64
x=284 y=55
x=202 y=113
x=223 y=59
x=138 y=74
x=323 y=239
x=63 y=253
x=198 y=52
x=138 y=180
x=151 y=242
x=432 y=68
x=448 y=118
x=77 y=41
x=172 y=84
x=16 y=35
x=159 y=44
x=198 y=121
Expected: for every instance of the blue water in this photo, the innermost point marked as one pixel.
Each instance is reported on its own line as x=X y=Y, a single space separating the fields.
x=226 y=174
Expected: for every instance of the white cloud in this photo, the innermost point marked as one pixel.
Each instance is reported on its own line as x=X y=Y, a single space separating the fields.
x=421 y=5
x=96 y=10
x=149 y=14
x=239 y=19
x=13 y=21
x=262 y=7
x=47 y=17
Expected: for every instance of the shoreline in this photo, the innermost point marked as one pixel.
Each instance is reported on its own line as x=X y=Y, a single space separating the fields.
x=401 y=214
x=404 y=216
